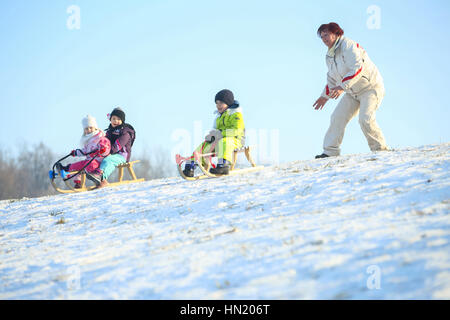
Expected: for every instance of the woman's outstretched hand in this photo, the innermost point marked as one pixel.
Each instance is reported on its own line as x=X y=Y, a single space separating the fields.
x=336 y=92
x=318 y=105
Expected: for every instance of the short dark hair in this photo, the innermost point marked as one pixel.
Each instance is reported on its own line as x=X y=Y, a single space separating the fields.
x=332 y=27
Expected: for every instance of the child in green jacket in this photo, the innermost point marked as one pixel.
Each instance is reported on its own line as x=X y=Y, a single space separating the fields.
x=228 y=133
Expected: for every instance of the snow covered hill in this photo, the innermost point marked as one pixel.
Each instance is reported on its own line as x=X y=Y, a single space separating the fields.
x=368 y=226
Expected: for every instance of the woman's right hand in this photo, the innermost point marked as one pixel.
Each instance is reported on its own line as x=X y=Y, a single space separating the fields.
x=318 y=105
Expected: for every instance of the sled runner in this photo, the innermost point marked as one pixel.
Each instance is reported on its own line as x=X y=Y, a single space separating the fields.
x=208 y=160
x=67 y=176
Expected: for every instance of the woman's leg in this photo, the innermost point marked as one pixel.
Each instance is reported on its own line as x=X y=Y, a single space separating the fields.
x=110 y=163
x=370 y=101
x=346 y=109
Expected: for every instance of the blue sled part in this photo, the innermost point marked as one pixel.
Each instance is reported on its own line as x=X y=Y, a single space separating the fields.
x=52 y=174
x=63 y=174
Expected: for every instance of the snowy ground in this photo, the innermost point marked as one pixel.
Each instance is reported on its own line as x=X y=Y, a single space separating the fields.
x=369 y=226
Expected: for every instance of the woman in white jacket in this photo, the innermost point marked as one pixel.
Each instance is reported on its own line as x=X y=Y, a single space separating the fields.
x=350 y=70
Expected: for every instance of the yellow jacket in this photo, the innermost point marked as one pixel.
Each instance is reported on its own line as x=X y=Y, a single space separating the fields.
x=231 y=122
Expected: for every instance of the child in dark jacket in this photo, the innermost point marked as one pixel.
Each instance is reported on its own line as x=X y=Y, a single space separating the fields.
x=121 y=135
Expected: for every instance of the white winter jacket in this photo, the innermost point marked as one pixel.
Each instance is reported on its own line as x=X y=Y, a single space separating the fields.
x=352 y=69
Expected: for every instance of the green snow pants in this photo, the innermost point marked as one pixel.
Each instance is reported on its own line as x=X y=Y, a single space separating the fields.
x=224 y=148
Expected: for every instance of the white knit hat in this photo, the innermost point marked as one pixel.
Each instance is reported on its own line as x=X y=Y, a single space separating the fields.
x=89 y=121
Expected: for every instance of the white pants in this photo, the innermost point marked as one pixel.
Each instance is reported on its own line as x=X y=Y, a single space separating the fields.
x=366 y=103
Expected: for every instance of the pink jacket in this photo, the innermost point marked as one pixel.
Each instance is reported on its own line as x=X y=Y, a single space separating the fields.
x=98 y=142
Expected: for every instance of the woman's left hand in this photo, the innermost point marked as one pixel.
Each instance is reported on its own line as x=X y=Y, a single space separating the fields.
x=336 y=92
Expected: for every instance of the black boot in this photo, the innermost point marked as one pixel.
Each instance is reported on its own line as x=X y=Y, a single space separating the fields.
x=60 y=168
x=189 y=169
x=95 y=177
x=222 y=168
x=323 y=155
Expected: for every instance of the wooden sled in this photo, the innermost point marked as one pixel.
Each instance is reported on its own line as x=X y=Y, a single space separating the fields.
x=121 y=181
x=205 y=169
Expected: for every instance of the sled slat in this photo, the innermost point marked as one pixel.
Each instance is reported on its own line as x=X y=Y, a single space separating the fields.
x=129 y=166
x=246 y=150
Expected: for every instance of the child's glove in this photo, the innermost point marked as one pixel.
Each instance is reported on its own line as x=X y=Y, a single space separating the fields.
x=213 y=135
x=73 y=153
x=102 y=151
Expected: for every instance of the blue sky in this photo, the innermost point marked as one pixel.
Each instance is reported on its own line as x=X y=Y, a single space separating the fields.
x=163 y=62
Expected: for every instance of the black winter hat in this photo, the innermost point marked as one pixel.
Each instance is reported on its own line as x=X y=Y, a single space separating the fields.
x=118 y=113
x=225 y=96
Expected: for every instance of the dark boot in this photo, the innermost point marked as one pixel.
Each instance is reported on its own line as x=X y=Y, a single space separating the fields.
x=62 y=170
x=323 y=155
x=222 y=168
x=95 y=177
x=189 y=169
x=60 y=167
